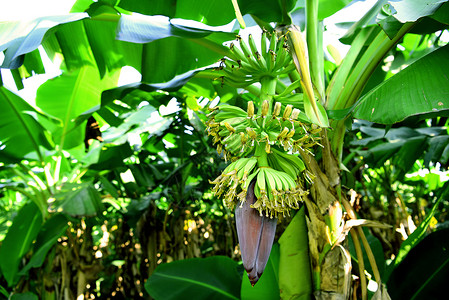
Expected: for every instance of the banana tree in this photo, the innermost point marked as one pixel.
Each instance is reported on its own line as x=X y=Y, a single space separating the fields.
x=282 y=118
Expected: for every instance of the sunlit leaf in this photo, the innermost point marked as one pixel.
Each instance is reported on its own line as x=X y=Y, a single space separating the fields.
x=412 y=10
x=79 y=200
x=422 y=88
x=68 y=96
x=20 y=132
x=20 y=37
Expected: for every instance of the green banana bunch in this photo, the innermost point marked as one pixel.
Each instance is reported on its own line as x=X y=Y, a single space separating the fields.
x=248 y=63
x=237 y=132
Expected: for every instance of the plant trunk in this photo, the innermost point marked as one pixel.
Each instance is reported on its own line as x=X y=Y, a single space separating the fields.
x=331 y=265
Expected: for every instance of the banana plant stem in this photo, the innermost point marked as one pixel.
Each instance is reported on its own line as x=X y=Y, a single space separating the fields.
x=366 y=245
x=314 y=37
x=358 y=250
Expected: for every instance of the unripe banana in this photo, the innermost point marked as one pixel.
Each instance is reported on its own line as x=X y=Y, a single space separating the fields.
x=229 y=127
x=239 y=55
x=287 y=112
x=250 y=109
x=277 y=109
x=265 y=108
x=252 y=134
x=283 y=133
x=263 y=43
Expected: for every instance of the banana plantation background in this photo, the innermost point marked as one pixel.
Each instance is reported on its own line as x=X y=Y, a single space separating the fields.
x=113 y=192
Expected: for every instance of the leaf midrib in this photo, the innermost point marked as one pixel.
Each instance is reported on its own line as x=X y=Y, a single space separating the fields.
x=207 y=286
x=22 y=121
x=76 y=89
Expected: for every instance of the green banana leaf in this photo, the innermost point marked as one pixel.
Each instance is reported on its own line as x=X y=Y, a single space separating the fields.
x=267 y=287
x=412 y=10
x=420 y=89
x=214 y=277
x=79 y=199
x=68 y=96
x=294 y=260
x=172 y=47
x=21 y=234
x=21 y=135
x=213 y=12
x=49 y=234
x=21 y=37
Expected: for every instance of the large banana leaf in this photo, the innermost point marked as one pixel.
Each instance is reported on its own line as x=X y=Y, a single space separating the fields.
x=19 y=38
x=171 y=48
x=67 y=97
x=294 y=259
x=213 y=12
x=20 y=133
x=420 y=89
x=412 y=10
x=79 y=200
x=268 y=285
x=214 y=277
x=47 y=237
x=18 y=240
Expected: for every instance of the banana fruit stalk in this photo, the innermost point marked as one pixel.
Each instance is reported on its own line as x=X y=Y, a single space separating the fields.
x=255 y=234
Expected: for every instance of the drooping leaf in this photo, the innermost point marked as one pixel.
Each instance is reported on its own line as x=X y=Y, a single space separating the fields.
x=18 y=38
x=20 y=132
x=214 y=277
x=183 y=46
x=50 y=232
x=17 y=242
x=437 y=146
x=412 y=10
x=33 y=64
x=139 y=28
x=267 y=287
x=79 y=200
x=294 y=260
x=423 y=273
x=422 y=88
x=120 y=92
